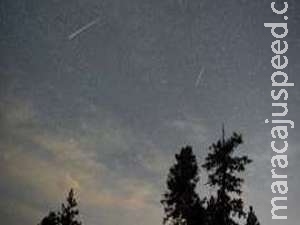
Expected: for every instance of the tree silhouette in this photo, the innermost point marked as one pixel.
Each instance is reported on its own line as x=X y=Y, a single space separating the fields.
x=223 y=168
x=210 y=211
x=69 y=212
x=181 y=203
x=251 y=217
x=67 y=216
x=51 y=219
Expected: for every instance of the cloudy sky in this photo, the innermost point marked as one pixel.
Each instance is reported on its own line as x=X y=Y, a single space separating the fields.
x=98 y=95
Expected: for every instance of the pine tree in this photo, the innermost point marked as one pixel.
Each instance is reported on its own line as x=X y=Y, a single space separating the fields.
x=181 y=203
x=223 y=168
x=251 y=218
x=69 y=213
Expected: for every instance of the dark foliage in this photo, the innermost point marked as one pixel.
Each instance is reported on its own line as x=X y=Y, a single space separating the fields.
x=69 y=212
x=67 y=216
x=181 y=203
x=223 y=168
x=251 y=218
x=51 y=219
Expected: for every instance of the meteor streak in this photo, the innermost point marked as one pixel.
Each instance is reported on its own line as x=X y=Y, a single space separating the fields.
x=80 y=30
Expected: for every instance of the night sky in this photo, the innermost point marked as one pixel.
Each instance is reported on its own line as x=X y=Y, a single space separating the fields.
x=105 y=109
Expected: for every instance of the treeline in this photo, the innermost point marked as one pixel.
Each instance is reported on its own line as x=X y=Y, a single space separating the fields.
x=182 y=204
